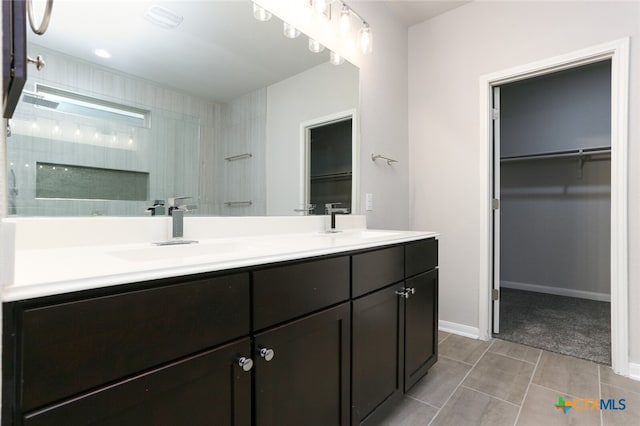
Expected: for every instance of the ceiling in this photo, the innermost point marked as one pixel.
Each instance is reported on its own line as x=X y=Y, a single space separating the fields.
x=229 y=53
x=218 y=52
x=415 y=12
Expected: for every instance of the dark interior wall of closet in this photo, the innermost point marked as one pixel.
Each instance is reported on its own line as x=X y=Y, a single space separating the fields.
x=555 y=215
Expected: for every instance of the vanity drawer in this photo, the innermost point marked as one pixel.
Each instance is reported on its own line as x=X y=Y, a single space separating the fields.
x=290 y=291
x=421 y=256
x=72 y=347
x=377 y=269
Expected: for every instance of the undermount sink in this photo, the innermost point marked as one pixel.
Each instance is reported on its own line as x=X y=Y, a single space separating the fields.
x=176 y=251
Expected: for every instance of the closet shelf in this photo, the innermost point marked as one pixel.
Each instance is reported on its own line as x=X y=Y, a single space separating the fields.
x=584 y=154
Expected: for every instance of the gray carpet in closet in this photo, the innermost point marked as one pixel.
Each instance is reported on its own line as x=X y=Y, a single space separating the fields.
x=567 y=325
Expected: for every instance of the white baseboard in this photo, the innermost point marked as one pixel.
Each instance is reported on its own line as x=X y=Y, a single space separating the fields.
x=459 y=329
x=591 y=295
x=634 y=371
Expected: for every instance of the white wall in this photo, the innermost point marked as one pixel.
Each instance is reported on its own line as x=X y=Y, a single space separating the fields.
x=321 y=91
x=555 y=227
x=447 y=56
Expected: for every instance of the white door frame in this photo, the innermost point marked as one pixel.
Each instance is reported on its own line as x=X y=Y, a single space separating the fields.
x=305 y=155
x=618 y=52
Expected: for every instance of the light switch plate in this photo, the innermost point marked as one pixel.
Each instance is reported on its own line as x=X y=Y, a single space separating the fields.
x=369 y=202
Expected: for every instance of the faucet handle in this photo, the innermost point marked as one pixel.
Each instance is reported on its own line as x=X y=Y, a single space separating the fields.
x=176 y=201
x=188 y=207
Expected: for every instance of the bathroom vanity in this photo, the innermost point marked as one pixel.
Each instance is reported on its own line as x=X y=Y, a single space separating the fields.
x=327 y=337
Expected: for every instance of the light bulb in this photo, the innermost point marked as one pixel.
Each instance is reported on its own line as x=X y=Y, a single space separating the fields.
x=365 y=39
x=320 y=6
x=290 y=31
x=345 y=21
x=336 y=59
x=315 y=46
x=260 y=13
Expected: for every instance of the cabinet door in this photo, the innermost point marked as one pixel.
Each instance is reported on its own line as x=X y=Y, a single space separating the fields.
x=421 y=326
x=378 y=325
x=206 y=389
x=305 y=380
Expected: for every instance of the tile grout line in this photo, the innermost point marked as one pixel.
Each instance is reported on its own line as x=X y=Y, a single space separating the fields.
x=528 y=387
x=455 y=360
x=514 y=358
x=460 y=383
x=445 y=338
x=421 y=401
x=489 y=395
x=600 y=394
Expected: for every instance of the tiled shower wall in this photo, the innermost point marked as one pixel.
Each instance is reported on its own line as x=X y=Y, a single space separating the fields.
x=183 y=151
x=244 y=122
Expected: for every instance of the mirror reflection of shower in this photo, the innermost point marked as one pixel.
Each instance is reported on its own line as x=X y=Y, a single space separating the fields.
x=13 y=192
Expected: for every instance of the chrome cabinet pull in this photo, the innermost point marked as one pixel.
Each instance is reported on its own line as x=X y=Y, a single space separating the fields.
x=411 y=290
x=267 y=354
x=402 y=293
x=245 y=363
x=44 y=24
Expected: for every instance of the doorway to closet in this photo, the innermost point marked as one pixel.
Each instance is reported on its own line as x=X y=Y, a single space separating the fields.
x=552 y=227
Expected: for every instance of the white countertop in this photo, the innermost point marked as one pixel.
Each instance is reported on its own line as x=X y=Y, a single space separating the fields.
x=48 y=271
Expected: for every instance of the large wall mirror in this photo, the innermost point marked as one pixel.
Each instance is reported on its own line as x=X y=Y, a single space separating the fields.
x=141 y=101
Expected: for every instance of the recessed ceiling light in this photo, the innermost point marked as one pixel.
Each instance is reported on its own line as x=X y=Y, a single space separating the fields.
x=102 y=53
x=163 y=17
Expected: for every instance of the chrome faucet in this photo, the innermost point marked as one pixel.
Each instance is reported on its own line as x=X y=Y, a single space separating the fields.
x=333 y=209
x=176 y=210
x=157 y=209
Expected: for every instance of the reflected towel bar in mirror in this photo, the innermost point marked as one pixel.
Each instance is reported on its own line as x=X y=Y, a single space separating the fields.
x=238 y=203
x=239 y=157
x=375 y=157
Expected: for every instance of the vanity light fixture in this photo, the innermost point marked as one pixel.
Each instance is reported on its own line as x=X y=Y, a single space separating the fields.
x=336 y=59
x=322 y=7
x=163 y=17
x=260 y=13
x=102 y=53
x=315 y=46
x=290 y=31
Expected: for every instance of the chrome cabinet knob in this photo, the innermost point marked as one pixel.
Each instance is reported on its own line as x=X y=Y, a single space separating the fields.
x=411 y=290
x=245 y=363
x=267 y=354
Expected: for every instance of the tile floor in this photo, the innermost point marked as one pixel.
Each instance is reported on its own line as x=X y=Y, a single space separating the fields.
x=503 y=383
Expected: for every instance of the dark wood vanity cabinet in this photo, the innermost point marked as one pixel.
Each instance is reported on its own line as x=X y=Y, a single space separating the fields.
x=334 y=340
x=116 y=358
x=395 y=326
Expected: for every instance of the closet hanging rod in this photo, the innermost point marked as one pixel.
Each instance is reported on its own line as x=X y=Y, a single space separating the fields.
x=239 y=157
x=559 y=154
